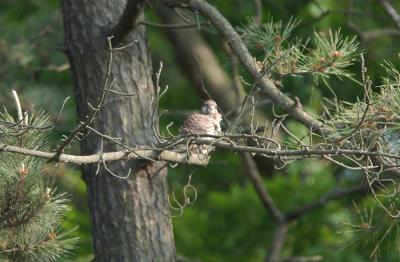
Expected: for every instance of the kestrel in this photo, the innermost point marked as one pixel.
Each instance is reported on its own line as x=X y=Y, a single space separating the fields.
x=206 y=122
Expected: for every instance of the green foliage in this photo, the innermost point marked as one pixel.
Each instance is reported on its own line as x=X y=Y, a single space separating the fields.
x=270 y=37
x=232 y=225
x=369 y=124
x=330 y=55
x=279 y=53
x=219 y=240
x=367 y=229
x=30 y=211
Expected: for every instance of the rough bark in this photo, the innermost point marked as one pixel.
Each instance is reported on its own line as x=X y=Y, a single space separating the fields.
x=129 y=220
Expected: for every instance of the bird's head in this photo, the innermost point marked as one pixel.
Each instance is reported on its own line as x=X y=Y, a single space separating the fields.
x=209 y=107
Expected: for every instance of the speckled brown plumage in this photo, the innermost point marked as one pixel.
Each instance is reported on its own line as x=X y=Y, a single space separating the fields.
x=205 y=122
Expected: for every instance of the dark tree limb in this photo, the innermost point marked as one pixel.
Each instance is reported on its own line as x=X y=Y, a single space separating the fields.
x=263 y=194
x=278 y=240
x=279 y=235
x=281 y=220
x=367 y=36
x=128 y=20
x=335 y=194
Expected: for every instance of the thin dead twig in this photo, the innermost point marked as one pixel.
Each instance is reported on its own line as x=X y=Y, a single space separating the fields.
x=95 y=110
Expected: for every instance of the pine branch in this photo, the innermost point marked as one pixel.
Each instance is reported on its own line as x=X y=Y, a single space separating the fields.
x=30 y=212
x=331 y=53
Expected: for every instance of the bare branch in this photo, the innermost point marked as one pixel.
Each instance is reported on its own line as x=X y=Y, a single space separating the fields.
x=62 y=109
x=161 y=152
x=333 y=195
x=100 y=103
x=165 y=155
x=278 y=240
x=279 y=236
x=18 y=105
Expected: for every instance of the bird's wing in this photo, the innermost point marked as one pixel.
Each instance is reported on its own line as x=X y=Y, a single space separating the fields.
x=198 y=124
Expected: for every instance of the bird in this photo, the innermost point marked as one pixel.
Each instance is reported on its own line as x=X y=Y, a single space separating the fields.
x=205 y=122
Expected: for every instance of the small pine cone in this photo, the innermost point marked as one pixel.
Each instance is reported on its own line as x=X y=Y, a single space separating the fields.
x=52 y=235
x=23 y=171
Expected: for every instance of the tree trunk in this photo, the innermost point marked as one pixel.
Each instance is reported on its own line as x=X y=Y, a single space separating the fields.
x=130 y=219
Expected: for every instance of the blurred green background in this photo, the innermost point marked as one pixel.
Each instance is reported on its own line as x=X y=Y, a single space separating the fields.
x=228 y=221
